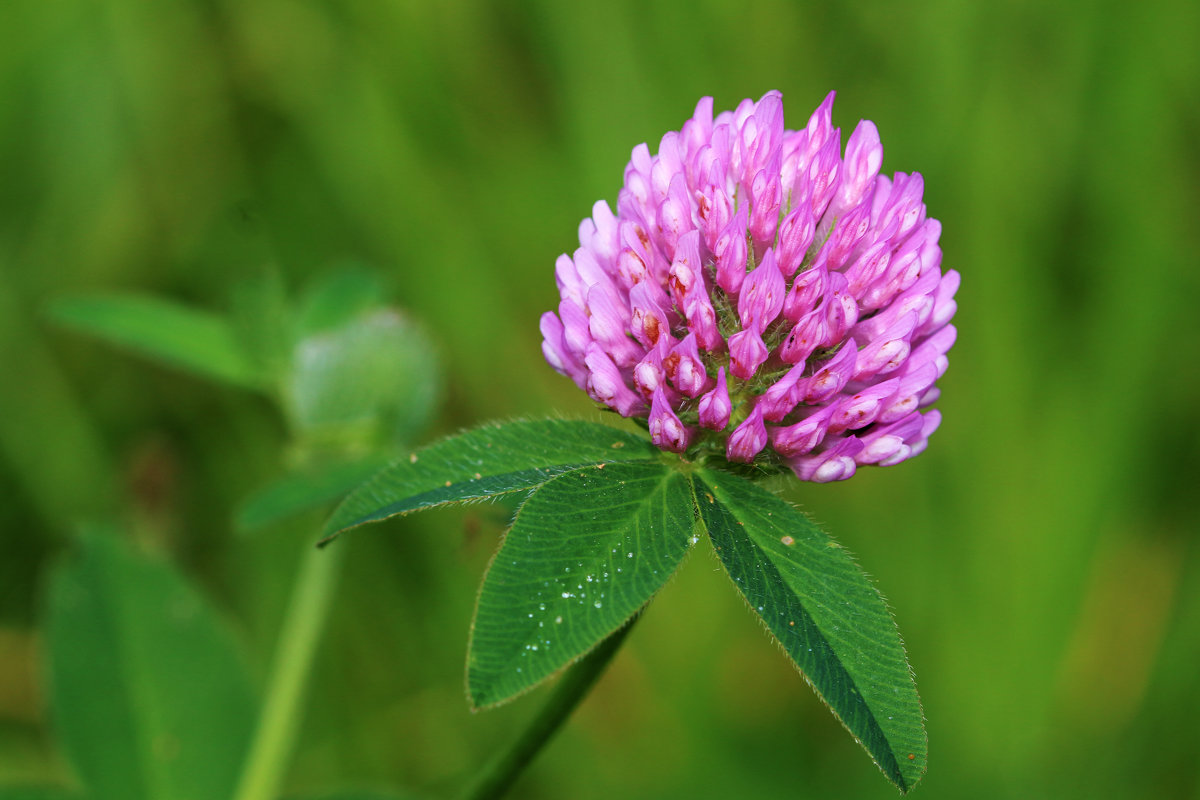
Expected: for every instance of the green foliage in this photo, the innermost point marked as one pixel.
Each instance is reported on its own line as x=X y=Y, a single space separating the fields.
x=38 y=793
x=370 y=381
x=829 y=619
x=150 y=699
x=357 y=379
x=486 y=462
x=306 y=490
x=597 y=537
x=190 y=339
x=336 y=299
x=262 y=319
x=587 y=550
x=352 y=375
x=359 y=794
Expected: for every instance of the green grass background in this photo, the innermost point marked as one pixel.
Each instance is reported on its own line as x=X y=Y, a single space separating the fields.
x=1041 y=558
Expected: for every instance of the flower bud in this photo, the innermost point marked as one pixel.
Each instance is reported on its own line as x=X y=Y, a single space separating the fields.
x=762 y=294
x=715 y=407
x=605 y=384
x=748 y=439
x=666 y=430
x=685 y=368
x=747 y=352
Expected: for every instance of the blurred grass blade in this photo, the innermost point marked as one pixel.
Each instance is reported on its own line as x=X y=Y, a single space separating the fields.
x=305 y=491
x=47 y=440
x=337 y=298
x=485 y=462
x=829 y=618
x=262 y=320
x=193 y=340
x=587 y=550
x=39 y=793
x=150 y=700
x=359 y=794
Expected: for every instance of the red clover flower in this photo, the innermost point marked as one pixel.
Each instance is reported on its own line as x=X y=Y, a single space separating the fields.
x=758 y=291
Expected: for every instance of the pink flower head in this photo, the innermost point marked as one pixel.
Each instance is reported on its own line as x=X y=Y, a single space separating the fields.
x=762 y=296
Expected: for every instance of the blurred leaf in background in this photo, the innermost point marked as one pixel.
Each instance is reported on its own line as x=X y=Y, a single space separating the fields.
x=150 y=696
x=195 y=341
x=144 y=701
x=362 y=381
x=355 y=378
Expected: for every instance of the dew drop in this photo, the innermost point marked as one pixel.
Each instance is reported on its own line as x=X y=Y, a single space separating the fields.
x=597 y=604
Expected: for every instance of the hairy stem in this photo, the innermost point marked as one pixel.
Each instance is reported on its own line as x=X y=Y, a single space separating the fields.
x=500 y=775
x=279 y=719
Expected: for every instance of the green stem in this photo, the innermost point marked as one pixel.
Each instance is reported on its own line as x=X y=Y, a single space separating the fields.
x=500 y=775
x=279 y=719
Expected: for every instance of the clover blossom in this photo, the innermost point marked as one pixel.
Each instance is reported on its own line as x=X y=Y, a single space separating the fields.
x=759 y=291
